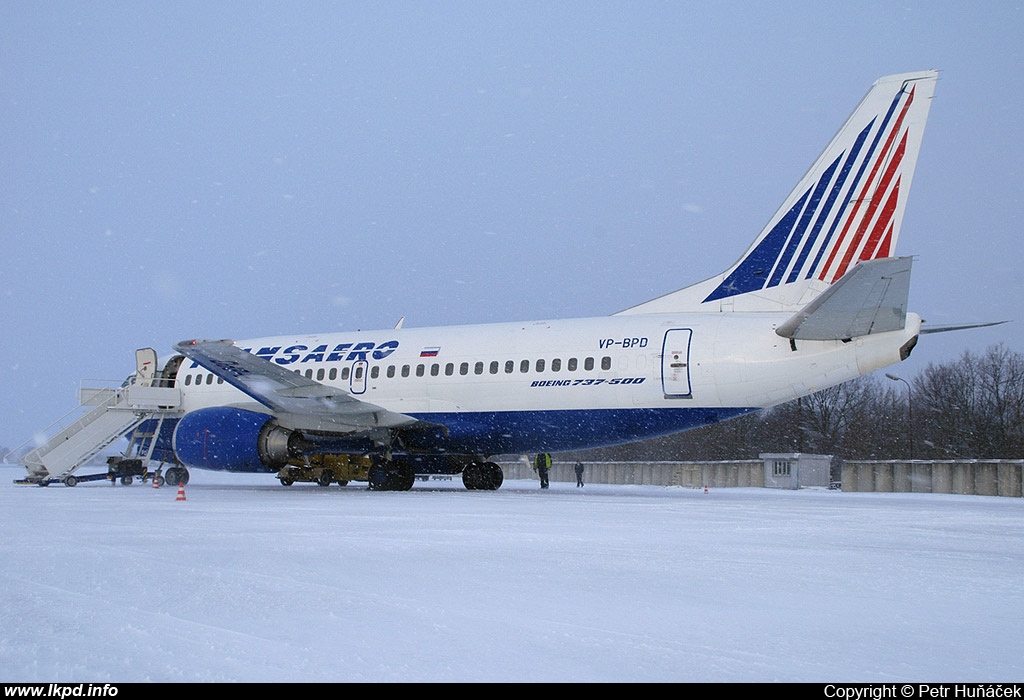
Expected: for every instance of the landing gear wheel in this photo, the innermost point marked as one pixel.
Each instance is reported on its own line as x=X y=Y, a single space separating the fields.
x=403 y=478
x=471 y=476
x=176 y=475
x=387 y=477
x=491 y=476
x=486 y=476
x=378 y=477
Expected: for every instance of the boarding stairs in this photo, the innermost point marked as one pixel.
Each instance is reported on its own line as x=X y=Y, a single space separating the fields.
x=104 y=415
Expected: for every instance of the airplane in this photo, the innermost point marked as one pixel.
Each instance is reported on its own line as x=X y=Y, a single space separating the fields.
x=819 y=298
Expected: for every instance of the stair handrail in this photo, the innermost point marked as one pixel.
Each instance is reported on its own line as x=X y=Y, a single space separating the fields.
x=40 y=438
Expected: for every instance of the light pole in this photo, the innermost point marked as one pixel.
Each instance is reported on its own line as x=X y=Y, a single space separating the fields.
x=910 y=411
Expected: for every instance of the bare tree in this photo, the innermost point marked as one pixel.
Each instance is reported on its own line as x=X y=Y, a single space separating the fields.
x=973 y=408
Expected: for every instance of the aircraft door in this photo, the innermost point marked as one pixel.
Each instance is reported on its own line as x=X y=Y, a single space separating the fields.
x=675 y=364
x=145 y=366
x=357 y=378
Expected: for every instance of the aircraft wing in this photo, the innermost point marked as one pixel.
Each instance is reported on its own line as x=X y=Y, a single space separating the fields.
x=297 y=402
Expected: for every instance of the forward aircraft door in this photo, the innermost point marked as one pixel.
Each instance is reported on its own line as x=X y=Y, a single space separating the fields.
x=145 y=366
x=675 y=364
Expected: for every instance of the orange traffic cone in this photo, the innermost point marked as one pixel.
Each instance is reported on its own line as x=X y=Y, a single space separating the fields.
x=181 y=492
x=705 y=488
x=156 y=481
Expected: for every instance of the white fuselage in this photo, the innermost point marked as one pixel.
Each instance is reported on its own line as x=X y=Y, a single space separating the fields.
x=688 y=369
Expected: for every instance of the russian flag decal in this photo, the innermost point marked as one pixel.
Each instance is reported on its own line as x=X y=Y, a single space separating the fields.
x=429 y=352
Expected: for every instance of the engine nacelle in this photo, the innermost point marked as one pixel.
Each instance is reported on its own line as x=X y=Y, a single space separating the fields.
x=231 y=439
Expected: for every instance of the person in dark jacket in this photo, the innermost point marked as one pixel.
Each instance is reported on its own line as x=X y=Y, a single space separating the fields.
x=543 y=466
x=579 y=474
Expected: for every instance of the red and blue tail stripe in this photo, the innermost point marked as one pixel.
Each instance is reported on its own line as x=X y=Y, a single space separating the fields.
x=871 y=193
x=846 y=210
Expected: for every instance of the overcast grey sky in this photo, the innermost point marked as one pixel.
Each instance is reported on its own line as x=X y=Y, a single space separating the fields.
x=236 y=169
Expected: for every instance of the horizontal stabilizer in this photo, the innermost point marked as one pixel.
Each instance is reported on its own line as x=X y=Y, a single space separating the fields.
x=870 y=298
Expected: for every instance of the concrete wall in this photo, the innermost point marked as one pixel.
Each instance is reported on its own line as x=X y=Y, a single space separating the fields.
x=976 y=477
x=971 y=476
x=690 y=474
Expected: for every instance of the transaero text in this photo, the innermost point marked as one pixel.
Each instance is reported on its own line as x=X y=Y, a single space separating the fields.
x=342 y=352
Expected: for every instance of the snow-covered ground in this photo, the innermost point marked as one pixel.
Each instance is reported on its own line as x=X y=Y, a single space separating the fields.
x=249 y=581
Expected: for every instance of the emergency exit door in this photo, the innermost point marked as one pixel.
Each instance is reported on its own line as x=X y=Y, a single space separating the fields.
x=357 y=378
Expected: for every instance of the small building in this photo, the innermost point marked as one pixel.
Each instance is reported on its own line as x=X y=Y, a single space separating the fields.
x=794 y=470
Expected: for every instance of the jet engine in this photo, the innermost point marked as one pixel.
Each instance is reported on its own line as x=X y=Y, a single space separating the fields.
x=234 y=440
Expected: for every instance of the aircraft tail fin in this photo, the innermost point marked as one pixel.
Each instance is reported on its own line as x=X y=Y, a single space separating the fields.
x=847 y=209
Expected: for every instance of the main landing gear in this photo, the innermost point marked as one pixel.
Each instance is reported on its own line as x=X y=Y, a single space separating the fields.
x=386 y=475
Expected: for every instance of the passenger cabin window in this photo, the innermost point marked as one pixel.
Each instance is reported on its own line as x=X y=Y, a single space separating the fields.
x=479 y=367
